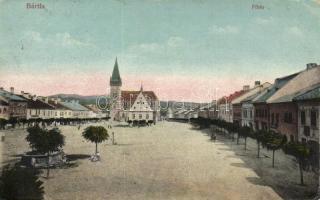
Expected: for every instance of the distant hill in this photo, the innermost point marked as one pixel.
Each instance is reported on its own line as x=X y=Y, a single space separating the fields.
x=82 y=99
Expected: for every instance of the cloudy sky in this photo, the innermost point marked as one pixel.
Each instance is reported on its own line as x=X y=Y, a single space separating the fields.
x=182 y=49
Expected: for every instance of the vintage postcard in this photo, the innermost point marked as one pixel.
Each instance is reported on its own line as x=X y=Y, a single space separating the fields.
x=159 y=99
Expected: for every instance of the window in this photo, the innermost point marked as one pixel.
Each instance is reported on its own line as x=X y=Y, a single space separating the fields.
x=140 y=116
x=306 y=131
x=133 y=116
x=303 y=117
x=277 y=119
x=147 y=116
x=4 y=110
x=288 y=117
x=0 y=110
x=272 y=118
x=313 y=116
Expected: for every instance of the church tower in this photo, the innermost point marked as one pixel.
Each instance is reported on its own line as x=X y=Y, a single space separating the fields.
x=115 y=89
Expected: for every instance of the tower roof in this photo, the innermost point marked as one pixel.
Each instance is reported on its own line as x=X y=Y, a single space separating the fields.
x=115 y=79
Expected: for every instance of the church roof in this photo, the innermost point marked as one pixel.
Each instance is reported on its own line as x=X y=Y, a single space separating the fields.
x=132 y=95
x=115 y=79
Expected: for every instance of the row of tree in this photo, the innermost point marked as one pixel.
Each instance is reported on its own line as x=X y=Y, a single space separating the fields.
x=265 y=138
x=14 y=122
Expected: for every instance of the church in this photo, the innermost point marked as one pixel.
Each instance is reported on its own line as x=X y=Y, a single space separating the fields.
x=132 y=106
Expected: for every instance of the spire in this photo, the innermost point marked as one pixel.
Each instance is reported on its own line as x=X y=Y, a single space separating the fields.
x=141 y=87
x=115 y=79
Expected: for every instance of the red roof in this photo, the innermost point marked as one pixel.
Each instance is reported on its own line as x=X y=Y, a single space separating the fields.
x=132 y=95
x=231 y=97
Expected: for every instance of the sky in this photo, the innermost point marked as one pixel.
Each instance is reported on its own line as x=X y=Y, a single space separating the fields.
x=189 y=50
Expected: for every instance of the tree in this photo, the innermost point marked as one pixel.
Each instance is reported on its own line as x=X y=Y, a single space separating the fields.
x=3 y=123
x=273 y=141
x=259 y=136
x=300 y=151
x=244 y=132
x=45 y=141
x=13 y=121
x=96 y=134
x=20 y=183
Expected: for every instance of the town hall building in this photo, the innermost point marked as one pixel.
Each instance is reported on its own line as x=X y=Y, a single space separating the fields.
x=132 y=106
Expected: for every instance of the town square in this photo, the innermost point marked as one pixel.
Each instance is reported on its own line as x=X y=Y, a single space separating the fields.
x=158 y=100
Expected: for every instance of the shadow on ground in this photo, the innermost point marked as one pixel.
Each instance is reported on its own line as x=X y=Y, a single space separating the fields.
x=286 y=190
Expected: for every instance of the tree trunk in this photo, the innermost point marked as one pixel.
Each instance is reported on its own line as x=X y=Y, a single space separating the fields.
x=238 y=138
x=258 y=150
x=301 y=172
x=48 y=165
x=245 y=144
x=96 y=148
x=273 y=158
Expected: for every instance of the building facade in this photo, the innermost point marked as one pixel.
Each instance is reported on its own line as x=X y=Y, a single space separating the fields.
x=132 y=106
x=17 y=106
x=283 y=108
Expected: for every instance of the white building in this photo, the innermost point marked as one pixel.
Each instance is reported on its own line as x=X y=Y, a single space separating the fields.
x=78 y=111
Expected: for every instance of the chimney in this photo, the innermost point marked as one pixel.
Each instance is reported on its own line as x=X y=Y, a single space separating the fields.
x=1 y=88
x=12 y=90
x=46 y=99
x=246 y=87
x=256 y=83
x=34 y=97
x=311 y=65
x=22 y=92
x=55 y=101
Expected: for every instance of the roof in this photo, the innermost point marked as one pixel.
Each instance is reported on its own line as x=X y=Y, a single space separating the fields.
x=58 y=106
x=132 y=95
x=9 y=96
x=3 y=103
x=302 y=81
x=253 y=97
x=37 y=104
x=311 y=93
x=73 y=105
x=278 y=83
x=231 y=97
x=115 y=79
x=251 y=92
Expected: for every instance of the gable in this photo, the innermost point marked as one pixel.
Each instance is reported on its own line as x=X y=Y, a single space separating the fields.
x=141 y=104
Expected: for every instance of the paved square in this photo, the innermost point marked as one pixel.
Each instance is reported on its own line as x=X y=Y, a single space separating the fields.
x=168 y=161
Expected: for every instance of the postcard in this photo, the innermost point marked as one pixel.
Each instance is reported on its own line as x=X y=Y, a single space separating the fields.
x=159 y=99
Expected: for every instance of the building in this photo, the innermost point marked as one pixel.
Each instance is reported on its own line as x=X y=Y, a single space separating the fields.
x=283 y=110
x=308 y=102
x=37 y=109
x=237 y=102
x=4 y=110
x=132 y=106
x=248 y=109
x=225 y=107
x=95 y=112
x=17 y=106
x=262 y=115
x=60 y=111
x=78 y=111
